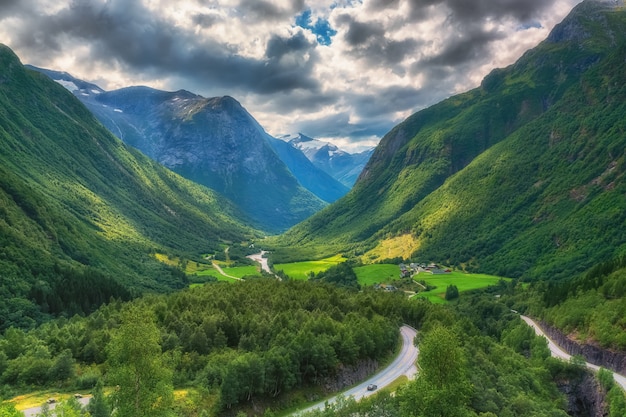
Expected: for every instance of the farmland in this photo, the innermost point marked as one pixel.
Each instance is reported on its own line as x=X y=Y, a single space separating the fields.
x=463 y=281
x=302 y=270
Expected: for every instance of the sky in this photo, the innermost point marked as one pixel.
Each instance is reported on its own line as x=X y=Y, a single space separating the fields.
x=344 y=71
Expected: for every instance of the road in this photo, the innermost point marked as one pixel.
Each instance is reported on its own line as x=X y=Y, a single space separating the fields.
x=557 y=352
x=404 y=364
x=221 y=271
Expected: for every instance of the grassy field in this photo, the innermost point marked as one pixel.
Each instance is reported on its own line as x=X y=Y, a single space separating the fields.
x=464 y=282
x=301 y=270
x=38 y=398
x=236 y=271
x=377 y=274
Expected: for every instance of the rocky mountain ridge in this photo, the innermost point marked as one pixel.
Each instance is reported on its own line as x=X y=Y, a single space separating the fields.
x=214 y=142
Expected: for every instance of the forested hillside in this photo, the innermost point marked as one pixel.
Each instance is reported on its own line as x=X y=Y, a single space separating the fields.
x=233 y=343
x=81 y=214
x=590 y=308
x=521 y=177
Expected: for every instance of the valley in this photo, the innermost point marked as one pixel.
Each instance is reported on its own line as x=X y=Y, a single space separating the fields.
x=132 y=222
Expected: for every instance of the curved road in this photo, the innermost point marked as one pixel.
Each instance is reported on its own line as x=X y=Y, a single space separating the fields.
x=557 y=352
x=404 y=364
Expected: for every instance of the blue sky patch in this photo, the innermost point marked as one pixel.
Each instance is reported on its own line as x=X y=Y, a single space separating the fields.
x=321 y=29
x=529 y=25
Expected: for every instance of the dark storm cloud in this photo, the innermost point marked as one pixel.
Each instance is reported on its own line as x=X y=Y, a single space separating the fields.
x=339 y=125
x=359 y=33
x=128 y=35
x=369 y=42
x=266 y=10
x=463 y=33
x=278 y=46
x=9 y=5
x=392 y=99
x=466 y=47
x=470 y=10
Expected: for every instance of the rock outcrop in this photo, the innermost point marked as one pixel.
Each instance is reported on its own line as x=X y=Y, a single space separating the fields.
x=615 y=361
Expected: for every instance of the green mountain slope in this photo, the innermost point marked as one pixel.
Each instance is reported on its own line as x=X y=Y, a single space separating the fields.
x=82 y=214
x=520 y=177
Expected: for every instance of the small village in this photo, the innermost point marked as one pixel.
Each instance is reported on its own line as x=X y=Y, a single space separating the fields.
x=410 y=273
x=415 y=268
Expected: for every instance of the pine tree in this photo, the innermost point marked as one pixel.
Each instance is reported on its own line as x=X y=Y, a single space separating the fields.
x=98 y=405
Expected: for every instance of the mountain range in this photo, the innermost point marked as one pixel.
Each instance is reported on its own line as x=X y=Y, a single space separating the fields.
x=217 y=143
x=522 y=176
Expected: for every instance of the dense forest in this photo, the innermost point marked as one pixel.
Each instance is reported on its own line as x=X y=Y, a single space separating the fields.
x=236 y=342
x=259 y=345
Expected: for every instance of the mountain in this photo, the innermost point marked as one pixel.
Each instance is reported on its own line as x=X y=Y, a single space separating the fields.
x=312 y=178
x=343 y=166
x=214 y=142
x=521 y=177
x=82 y=215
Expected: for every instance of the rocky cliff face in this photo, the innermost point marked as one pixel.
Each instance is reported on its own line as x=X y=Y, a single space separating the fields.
x=615 y=361
x=214 y=142
x=585 y=396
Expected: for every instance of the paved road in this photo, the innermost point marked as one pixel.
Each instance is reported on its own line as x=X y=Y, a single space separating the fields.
x=557 y=352
x=404 y=364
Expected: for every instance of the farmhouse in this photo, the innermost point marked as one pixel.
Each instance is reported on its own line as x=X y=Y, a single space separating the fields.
x=415 y=268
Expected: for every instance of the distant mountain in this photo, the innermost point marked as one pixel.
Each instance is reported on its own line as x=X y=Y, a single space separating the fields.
x=214 y=142
x=82 y=215
x=343 y=166
x=312 y=178
x=523 y=176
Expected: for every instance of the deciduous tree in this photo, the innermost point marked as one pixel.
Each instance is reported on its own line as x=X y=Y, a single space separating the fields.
x=144 y=383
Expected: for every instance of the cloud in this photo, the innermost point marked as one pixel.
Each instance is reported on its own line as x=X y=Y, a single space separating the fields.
x=472 y=10
x=266 y=10
x=346 y=69
x=464 y=47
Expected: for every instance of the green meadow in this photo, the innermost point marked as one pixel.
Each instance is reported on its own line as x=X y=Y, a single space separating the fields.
x=377 y=274
x=302 y=270
x=463 y=281
x=236 y=271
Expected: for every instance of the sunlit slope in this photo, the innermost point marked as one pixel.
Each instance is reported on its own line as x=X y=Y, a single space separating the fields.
x=520 y=177
x=72 y=196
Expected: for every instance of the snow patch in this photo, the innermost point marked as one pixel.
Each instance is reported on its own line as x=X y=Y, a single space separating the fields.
x=95 y=91
x=68 y=85
x=118 y=110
